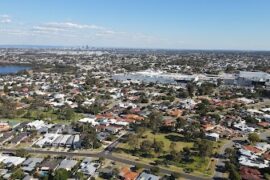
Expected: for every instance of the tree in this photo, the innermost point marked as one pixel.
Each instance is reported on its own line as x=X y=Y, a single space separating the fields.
x=158 y=146
x=90 y=136
x=205 y=147
x=6 y=90
x=17 y=174
x=140 y=131
x=172 y=146
x=253 y=138
x=155 y=121
x=21 y=153
x=61 y=174
x=133 y=141
x=155 y=169
x=180 y=123
x=146 y=146
x=233 y=173
x=190 y=89
x=79 y=175
x=66 y=114
x=229 y=152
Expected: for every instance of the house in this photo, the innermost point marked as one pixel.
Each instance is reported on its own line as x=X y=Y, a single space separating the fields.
x=4 y=127
x=208 y=127
x=64 y=140
x=188 y=104
x=28 y=177
x=113 y=129
x=20 y=126
x=7 y=136
x=263 y=124
x=212 y=136
x=11 y=160
x=263 y=146
x=243 y=127
x=175 y=112
x=253 y=149
x=67 y=164
x=169 y=123
x=30 y=164
x=89 y=120
x=57 y=141
x=47 y=140
x=266 y=117
x=147 y=176
x=134 y=117
x=127 y=174
x=69 y=142
x=36 y=125
x=266 y=155
x=88 y=167
x=256 y=163
x=77 y=142
x=49 y=165
x=19 y=138
x=247 y=173
x=245 y=100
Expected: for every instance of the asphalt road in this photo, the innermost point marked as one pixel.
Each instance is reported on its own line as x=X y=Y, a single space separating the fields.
x=107 y=156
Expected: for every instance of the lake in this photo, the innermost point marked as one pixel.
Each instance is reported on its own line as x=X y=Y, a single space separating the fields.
x=12 y=69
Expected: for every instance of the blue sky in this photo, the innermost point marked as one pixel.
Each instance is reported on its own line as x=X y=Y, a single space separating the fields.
x=177 y=24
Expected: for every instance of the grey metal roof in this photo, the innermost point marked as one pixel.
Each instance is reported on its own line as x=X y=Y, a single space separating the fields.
x=146 y=176
x=67 y=164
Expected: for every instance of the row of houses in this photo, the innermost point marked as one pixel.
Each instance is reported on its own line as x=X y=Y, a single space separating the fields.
x=60 y=140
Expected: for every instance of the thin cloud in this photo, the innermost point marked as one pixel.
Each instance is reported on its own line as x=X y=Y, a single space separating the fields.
x=5 y=19
x=71 y=25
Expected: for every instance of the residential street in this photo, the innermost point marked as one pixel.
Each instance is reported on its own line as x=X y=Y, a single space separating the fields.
x=107 y=156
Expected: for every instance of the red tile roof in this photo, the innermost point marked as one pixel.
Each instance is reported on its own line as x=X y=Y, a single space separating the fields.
x=127 y=174
x=252 y=149
x=250 y=173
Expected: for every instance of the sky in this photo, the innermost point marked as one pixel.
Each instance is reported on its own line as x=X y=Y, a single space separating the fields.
x=169 y=24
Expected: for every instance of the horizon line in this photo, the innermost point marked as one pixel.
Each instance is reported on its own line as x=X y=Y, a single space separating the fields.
x=33 y=46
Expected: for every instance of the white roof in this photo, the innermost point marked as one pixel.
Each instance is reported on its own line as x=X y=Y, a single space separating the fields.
x=255 y=76
x=253 y=163
x=215 y=135
x=38 y=124
x=89 y=120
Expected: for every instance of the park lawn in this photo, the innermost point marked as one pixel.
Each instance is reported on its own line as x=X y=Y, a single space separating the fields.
x=54 y=117
x=200 y=165
x=35 y=115
x=164 y=138
x=148 y=135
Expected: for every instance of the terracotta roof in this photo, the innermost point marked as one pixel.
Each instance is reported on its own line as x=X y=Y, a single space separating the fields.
x=127 y=174
x=252 y=149
x=134 y=117
x=250 y=173
x=208 y=127
x=175 y=112
x=264 y=124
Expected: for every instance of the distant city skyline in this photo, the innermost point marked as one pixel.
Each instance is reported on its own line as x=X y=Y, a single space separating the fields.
x=157 y=24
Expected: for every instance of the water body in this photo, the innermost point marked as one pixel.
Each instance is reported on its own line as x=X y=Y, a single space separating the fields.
x=12 y=69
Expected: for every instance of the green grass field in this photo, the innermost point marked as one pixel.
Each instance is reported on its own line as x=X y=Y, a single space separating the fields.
x=203 y=166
